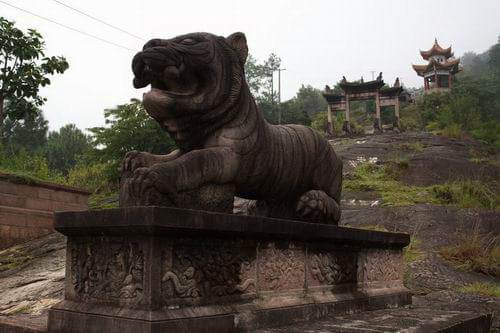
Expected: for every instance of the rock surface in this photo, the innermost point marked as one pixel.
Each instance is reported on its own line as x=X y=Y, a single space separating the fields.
x=431 y=159
x=31 y=274
x=32 y=277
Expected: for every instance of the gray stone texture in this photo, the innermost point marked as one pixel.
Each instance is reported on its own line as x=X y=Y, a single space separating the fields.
x=133 y=269
x=200 y=97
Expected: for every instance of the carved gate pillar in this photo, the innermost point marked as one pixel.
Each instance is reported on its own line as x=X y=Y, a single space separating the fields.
x=347 y=122
x=397 y=123
x=377 y=123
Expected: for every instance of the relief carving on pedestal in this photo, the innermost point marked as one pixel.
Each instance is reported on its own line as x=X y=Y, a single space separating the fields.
x=207 y=271
x=380 y=265
x=331 y=268
x=107 y=270
x=281 y=268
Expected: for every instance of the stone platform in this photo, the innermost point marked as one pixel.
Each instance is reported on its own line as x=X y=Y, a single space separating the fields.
x=151 y=269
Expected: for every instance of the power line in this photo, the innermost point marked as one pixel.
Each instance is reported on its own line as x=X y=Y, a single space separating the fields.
x=98 y=20
x=68 y=27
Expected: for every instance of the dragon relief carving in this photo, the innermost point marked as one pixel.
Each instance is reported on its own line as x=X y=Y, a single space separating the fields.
x=107 y=270
x=332 y=268
x=204 y=272
x=282 y=269
x=380 y=265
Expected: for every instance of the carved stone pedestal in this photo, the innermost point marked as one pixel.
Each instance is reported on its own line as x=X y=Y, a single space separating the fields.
x=150 y=269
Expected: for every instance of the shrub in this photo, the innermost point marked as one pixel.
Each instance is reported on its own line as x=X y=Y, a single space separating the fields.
x=475 y=252
x=410 y=118
x=28 y=164
x=467 y=194
x=453 y=131
x=90 y=176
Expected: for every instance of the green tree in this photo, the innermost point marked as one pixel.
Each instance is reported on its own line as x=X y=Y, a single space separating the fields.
x=494 y=55
x=29 y=132
x=294 y=113
x=310 y=100
x=23 y=70
x=128 y=128
x=254 y=75
x=474 y=64
x=259 y=77
x=65 y=147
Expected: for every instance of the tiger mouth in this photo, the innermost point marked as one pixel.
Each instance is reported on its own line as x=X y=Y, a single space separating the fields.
x=176 y=81
x=171 y=78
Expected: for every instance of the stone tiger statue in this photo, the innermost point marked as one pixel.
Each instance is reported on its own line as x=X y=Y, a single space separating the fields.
x=199 y=95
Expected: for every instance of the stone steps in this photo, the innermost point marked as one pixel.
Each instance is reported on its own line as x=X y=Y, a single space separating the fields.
x=403 y=320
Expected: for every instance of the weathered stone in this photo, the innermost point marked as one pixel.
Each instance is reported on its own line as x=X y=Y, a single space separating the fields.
x=404 y=320
x=200 y=97
x=135 y=269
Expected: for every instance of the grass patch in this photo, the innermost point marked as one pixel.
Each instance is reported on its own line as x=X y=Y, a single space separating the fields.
x=12 y=258
x=103 y=200
x=482 y=288
x=20 y=309
x=412 y=146
x=374 y=227
x=411 y=252
x=475 y=252
x=383 y=179
x=18 y=177
x=467 y=193
x=485 y=161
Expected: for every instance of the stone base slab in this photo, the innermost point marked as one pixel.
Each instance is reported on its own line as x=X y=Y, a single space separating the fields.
x=71 y=317
x=150 y=269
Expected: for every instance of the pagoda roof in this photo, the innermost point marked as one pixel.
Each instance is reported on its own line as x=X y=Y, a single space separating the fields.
x=391 y=91
x=436 y=49
x=449 y=64
x=332 y=98
x=360 y=86
x=395 y=90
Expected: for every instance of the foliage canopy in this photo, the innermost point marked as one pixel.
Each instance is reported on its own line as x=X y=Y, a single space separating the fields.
x=24 y=68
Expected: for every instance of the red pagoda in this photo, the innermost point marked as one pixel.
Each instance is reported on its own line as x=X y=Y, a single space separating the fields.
x=440 y=70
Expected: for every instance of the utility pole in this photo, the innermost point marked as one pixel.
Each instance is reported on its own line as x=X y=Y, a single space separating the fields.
x=279 y=93
x=373 y=75
x=272 y=87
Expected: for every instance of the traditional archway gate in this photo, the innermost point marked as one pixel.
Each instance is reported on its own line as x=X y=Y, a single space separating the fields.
x=363 y=91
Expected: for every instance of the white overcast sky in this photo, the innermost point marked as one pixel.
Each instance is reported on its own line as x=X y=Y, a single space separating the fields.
x=318 y=41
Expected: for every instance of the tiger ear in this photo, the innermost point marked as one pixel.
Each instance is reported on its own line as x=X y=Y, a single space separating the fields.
x=238 y=42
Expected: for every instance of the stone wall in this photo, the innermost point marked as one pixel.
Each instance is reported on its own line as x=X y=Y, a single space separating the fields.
x=27 y=207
